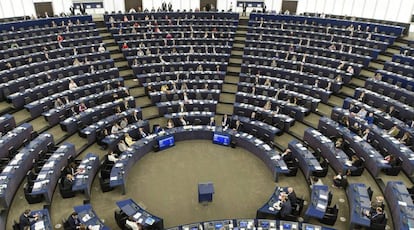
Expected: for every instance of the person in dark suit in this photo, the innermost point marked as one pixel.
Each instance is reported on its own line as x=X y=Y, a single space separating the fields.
x=285 y=207
x=356 y=161
x=157 y=129
x=292 y=196
x=82 y=9
x=142 y=133
x=287 y=155
x=74 y=221
x=244 y=9
x=225 y=122
x=392 y=112
x=376 y=217
x=237 y=126
x=68 y=182
x=25 y=219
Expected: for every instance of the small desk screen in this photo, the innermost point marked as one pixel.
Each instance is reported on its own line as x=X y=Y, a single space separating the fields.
x=166 y=142
x=221 y=139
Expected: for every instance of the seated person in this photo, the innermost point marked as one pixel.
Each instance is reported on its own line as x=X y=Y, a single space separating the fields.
x=115 y=128
x=285 y=206
x=182 y=121
x=338 y=179
x=391 y=159
x=292 y=196
x=212 y=122
x=27 y=219
x=225 y=122
x=394 y=131
x=406 y=139
x=82 y=107
x=287 y=156
x=134 y=225
x=142 y=132
x=122 y=146
x=315 y=181
x=68 y=182
x=237 y=126
x=112 y=157
x=74 y=221
x=377 y=203
x=128 y=140
x=377 y=217
x=170 y=124
x=356 y=129
x=345 y=121
x=158 y=129
x=356 y=161
x=123 y=123
x=370 y=118
x=339 y=143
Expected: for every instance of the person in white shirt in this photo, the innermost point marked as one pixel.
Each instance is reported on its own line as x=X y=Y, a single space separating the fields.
x=362 y=113
x=130 y=222
x=112 y=157
x=101 y=48
x=72 y=85
x=115 y=128
x=122 y=146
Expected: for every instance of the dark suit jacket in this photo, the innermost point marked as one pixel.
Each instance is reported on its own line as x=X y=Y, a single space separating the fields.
x=292 y=198
x=73 y=223
x=286 y=208
x=227 y=121
x=24 y=221
x=378 y=218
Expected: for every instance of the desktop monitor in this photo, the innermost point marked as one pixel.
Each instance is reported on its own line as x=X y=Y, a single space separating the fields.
x=285 y=225
x=221 y=139
x=310 y=227
x=166 y=142
x=218 y=226
x=243 y=224
x=264 y=224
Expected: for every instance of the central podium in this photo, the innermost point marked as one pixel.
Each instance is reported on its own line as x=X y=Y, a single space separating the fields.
x=205 y=192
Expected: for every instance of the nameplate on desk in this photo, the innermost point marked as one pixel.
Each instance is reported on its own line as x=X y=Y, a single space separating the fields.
x=39 y=225
x=86 y=217
x=402 y=203
x=322 y=196
x=321 y=206
x=119 y=165
x=318 y=167
x=114 y=178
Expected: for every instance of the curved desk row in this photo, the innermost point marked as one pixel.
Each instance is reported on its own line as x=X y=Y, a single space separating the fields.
x=289 y=74
x=161 y=15
x=7 y=123
x=148 y=220
x=48 y=176
x=383 y=141
x=406 y=60
x=19 y=99
x=401 y=205
x=381 y=118
x=43 y=22
x=281 y=121
x=399 y=68
x=91 y=131
x=87 y=170
x=191 y=105
x=359 y=202
x=149 y=78
x=387 y=29
x=397 y=79
x=308 y=163
x=72 y=124
x=405 y=112
x=199 y=94
x=110 y=142
x=307 y=66
x=178 y=66
x=96 y=96
x=88 y=217
x=15 y=138
x=336 y=157
x=13 y=174
x=320 y=51
x=36 y=108
x=198 y=52
x=193 y=117
x=56 y=68
x=145 y=145
x=393 y=91
x=34 y=72
x=305 y=87
x=374 y=161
